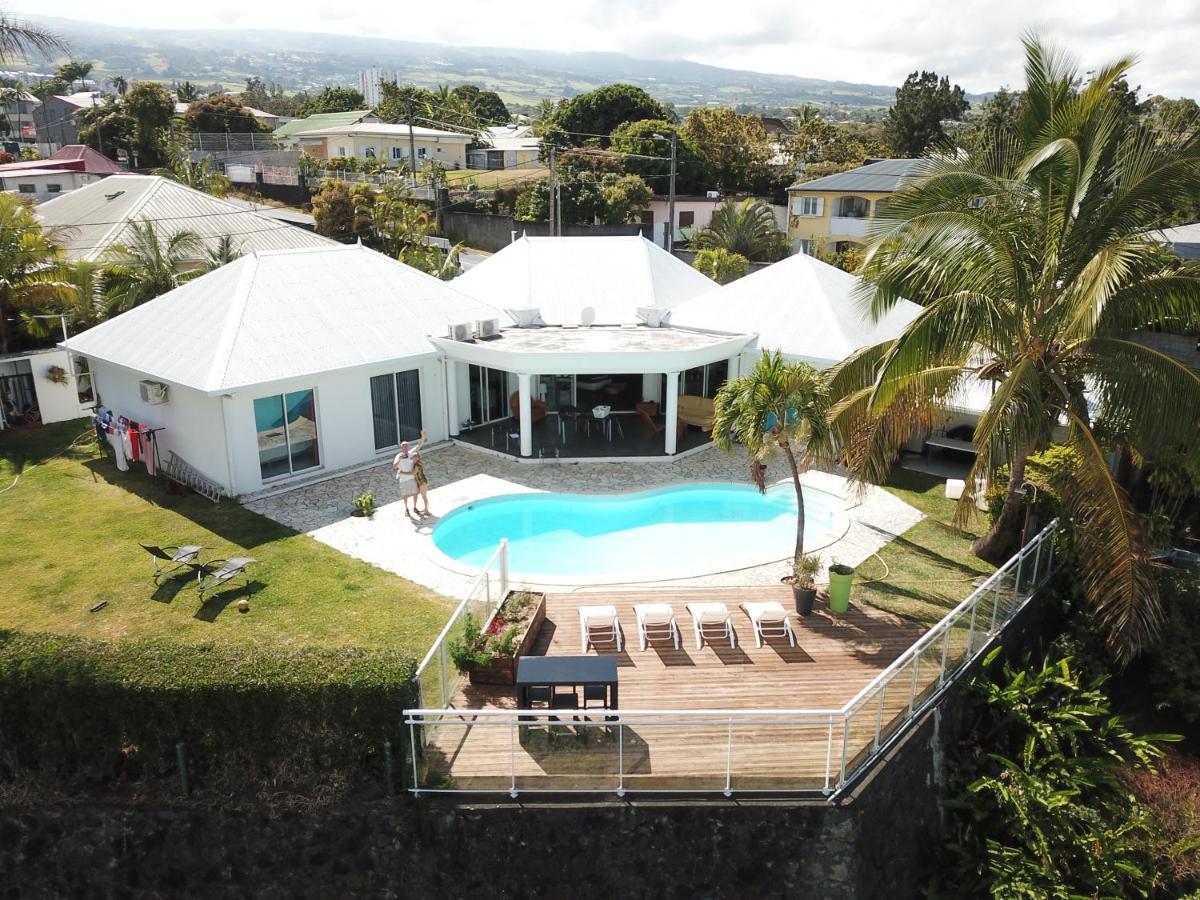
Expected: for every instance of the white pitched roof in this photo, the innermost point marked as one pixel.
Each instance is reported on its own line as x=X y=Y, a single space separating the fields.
x=384 y=129
x=281 y=314
x=563 y=275
x=94 y=217
x=800 y=306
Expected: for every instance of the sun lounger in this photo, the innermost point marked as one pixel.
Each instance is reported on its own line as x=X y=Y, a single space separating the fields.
x=599 y=625
x=656 y=621
x=769 y=619
x=168 y=560
x=217 y=573
x=712 y=620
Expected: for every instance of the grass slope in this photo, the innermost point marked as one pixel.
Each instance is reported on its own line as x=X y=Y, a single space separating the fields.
x=71 y=526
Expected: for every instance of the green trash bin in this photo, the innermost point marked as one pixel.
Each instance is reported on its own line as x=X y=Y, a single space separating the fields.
x=840 y=579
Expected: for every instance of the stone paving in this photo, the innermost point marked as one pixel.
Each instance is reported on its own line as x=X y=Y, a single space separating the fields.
x=457 y=475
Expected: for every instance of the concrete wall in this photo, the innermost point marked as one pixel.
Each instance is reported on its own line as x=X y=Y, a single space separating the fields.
x=45 y=186
x=488 y=232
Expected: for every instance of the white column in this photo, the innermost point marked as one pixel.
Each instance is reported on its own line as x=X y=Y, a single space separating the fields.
x=525 y=406
x=733 y=368
x=672 y=412
x=452 y=397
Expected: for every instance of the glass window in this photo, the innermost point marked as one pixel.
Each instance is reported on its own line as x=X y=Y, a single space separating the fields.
x=396 y=408
x=693 y=381
x=714 y=376
x=808 y=206
x=397 y=153
x=287 y=433
x=27 y=189
x=53 y=188
x=853 y=207
x=421 y=152
x=687 y=218
x=369 y=153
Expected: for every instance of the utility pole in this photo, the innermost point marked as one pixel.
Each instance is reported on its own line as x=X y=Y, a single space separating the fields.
x=99 y=130
x=553 y=191
x=671 y=200
x=412 y=146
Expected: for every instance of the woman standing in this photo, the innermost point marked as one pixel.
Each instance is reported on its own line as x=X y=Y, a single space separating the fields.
x=410 y=474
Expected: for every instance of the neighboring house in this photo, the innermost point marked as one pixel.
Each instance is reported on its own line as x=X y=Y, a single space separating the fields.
x=259 y=378
x=54 y=120
x=389 y=143
x=286 y=133
x=509 y=147
x=93 y=218
x=833 y=213
x=370 y=84
x=43 y=386
x=18 y=114
x=71 y=167
x=692 y=212
x=1184 y=240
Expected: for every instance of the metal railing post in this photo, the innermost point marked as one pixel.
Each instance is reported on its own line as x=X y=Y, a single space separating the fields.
x=1017 y=577
x=995 y=605
x=620 y=759
x=445 y=675
x=845 y=746
x=729 y=758
x=945 y=656
x=879 y=714
x=512 y=756
x=1037 y=559
x=503 y=567
x=971 y=630
x=828 y=754
x=912 y=691
x=412 y=749
x=1050 y=558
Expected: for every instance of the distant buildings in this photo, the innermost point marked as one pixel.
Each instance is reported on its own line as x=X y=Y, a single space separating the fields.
x=510 y=147
x=286 y=133
x=370 y=84
x=18 y=116
x=71 y=167
x=54 y=120
x=389 y=143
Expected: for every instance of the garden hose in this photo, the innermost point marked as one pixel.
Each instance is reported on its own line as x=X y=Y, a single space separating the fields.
x=46 y=460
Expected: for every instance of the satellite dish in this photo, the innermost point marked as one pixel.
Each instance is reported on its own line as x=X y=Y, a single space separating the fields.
x=587 y=316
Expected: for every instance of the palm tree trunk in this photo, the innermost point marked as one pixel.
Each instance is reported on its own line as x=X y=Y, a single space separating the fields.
x=1000 y=542
x=791 y=458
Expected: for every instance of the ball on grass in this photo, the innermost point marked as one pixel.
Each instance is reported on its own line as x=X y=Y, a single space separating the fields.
x=243 y=605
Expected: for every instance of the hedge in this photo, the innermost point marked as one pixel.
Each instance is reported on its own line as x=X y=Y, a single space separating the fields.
x=96 y=713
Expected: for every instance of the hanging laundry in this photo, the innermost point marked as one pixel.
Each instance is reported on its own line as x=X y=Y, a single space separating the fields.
x=126 y=438
x=135 y=442
x=117 y=441
x=148 y=451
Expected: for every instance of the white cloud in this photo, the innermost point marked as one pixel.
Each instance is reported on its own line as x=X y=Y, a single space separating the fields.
x=976 y=44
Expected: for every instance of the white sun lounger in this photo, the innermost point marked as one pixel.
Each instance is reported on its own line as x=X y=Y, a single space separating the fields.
x=599 y=624
x=656 y=621
x=769 y=619
x=711 y=620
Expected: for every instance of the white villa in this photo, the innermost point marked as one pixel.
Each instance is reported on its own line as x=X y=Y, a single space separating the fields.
x=288 y=363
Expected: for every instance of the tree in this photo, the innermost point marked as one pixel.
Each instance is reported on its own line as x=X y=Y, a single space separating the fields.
x=152 y=107
x=75 y=70
x=735 y=149
x=816 y=141
x=220 y=114
x=581 y=194
x=778 y=406
x=29 y=278
x=596 y=114
x=1171 y=116
x=197 y=175
x=747 y=228
x=998 y=114
x=923 y=102
x=119 y=84
x=108 y=128
x=1031 y=260
x=625 y=197
x=333 y=99
x=225 y=251
x=148 y=265
x=651 y=157
x=720 y=265
x=395 y=100
x=487 y=107
x=21 y=39
x=342 y=212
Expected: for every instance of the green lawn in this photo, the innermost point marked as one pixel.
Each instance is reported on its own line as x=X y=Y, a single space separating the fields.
x=71 y=526
x=929 y=568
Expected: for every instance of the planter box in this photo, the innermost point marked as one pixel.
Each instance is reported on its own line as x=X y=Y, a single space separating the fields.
x=503 y=669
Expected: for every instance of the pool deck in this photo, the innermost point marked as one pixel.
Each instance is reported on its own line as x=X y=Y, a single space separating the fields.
x=834 y=658
x=458 y=475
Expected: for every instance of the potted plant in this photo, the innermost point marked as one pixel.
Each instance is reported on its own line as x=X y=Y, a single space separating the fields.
x=841 y=577
x=804 y=590
x=364 y=505
x=490 y=656
x=56 y=375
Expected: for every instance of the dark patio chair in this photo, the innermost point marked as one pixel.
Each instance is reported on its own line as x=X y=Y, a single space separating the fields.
x=169 y=560
x=217 y=573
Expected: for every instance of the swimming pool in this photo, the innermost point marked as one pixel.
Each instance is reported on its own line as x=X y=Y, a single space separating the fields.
x=673 y=532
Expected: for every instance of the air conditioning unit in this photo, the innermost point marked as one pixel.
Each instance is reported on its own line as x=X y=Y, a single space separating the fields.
x=460 y=331
x=153 y=392
x=713 y=195
x=651 y=315
x=486 y=329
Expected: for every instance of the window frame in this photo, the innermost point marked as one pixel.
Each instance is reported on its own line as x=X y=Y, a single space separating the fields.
x=394 y=375
x=287 y=435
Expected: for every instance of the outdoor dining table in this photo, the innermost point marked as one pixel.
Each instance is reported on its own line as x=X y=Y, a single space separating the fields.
x=566 y=671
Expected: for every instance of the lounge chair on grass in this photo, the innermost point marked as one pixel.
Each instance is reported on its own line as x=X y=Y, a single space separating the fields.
x=218 y=573
x=599 y=625
x=169 y=560
x=769 y=619
x=712 y=621
x=656 y=621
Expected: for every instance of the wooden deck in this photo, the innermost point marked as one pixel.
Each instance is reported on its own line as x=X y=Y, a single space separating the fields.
x=835 y=657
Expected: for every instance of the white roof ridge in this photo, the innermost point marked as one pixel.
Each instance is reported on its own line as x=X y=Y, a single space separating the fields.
x=153 y=182
x=223 y=351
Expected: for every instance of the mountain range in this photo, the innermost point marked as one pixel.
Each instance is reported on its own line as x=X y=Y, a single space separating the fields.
x=304 y=60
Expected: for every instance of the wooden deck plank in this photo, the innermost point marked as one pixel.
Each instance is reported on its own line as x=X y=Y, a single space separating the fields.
x=835 y=657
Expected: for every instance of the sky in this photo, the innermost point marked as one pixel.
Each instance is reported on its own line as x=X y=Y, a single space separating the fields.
x=976 y=43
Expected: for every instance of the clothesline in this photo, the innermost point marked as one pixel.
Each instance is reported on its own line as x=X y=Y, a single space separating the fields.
x=128 y=439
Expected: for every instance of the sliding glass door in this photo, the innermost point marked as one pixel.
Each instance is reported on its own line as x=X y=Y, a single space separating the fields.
x=396 y=408
x=287 y=433
x=489 y=394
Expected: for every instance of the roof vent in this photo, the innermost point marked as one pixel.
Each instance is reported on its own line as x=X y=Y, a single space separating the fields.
x=651 y=315
x=114 y=195
x=526 y=317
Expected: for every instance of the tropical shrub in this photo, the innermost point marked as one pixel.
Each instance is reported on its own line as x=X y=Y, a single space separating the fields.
x=1173 y=661
x=1172 y=798
x=721 y=265
x=748 y=228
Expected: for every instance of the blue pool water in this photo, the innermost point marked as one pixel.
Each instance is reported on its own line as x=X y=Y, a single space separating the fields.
x=665 y=533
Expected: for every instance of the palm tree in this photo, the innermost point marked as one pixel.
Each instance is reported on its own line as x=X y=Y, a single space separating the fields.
x=147 y=265
x=225 y=251
x=29 y=277
x=20 y=39
x=1031 y=260
x=747 y=228
x=119 y=84
x=778 y=406
x=180 y=167
x=76 y=70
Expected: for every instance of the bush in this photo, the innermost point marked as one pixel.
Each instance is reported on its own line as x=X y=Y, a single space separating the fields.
x=1173 y=663
x=721 y=265
x=1172 y=797
x=91 y=715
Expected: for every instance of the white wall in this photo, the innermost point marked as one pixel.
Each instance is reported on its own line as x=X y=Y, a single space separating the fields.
x=191 y=419
x=56 y=402
x=345 y=436
x=67 y=181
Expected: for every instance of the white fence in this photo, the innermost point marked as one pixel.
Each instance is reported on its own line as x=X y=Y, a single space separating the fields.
x=710 y=751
